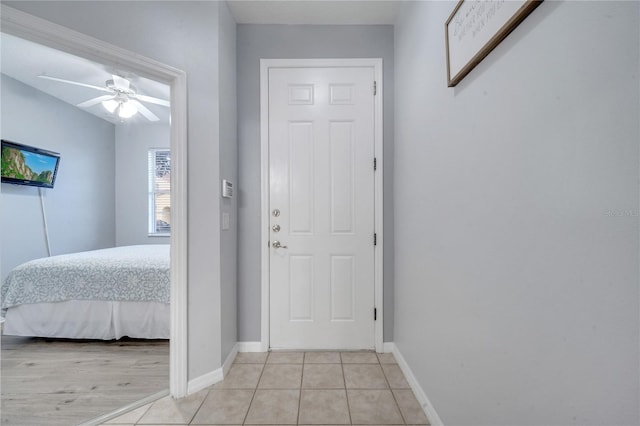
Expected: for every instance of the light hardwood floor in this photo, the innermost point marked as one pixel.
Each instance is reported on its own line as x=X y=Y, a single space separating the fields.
x=67 y=382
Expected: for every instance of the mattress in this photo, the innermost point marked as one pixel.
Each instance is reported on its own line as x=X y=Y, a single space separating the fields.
x=99 y=294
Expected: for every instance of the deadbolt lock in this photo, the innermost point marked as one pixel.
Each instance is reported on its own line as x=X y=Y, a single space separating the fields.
x=276 y=228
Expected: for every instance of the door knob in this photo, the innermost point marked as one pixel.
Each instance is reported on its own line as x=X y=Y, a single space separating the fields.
x=276 y=244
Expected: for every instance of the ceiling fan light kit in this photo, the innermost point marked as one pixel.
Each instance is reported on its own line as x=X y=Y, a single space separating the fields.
x=123 y=100
x=127 y=110
x=123 y=108
x=110 y=105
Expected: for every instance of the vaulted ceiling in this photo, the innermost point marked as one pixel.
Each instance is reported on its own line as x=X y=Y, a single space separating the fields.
x=25 y=61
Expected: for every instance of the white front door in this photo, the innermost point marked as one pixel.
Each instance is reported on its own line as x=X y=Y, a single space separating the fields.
x=321 y=176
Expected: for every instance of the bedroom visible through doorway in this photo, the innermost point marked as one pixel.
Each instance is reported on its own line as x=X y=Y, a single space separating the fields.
x=115 y=323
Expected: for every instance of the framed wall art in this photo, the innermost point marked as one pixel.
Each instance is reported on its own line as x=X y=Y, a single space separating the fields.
x=476 y=27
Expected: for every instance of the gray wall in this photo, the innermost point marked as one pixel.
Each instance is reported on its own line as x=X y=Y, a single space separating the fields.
x=133 y=142
x=299 y=41
x=516 y=202
x=83 y=197
x=228 y=170
x=183 y=34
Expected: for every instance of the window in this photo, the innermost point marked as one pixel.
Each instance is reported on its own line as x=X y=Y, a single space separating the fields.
x=159 y=192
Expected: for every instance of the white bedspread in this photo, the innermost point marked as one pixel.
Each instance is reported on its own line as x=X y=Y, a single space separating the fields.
x=129 y=273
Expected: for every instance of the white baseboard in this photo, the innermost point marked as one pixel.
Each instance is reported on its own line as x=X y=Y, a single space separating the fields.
x=229 y=361
x=388 y=347
x=204 y=381
x=214 y=376
x=429 y=410
x=250 y=347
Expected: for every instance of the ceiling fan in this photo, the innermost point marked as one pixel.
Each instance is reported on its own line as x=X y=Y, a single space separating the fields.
x=123 y=99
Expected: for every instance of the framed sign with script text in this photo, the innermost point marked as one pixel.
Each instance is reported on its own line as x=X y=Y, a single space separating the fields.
x=476 y=27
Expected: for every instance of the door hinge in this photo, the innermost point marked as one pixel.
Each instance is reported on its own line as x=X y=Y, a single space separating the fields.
x=375 y=314
x=375 y=88
x=375 y=163
x=375 y=239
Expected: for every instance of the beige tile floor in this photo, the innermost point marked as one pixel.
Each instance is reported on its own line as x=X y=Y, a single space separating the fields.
x=290 y=388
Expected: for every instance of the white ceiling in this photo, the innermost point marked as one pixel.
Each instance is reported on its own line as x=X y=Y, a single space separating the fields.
x=24 y=60
x=315 y=12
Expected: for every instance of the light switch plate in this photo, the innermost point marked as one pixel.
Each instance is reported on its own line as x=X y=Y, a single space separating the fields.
x=225 y=221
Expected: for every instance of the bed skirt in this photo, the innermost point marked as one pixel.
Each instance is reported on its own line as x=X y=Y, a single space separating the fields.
x=85 y=319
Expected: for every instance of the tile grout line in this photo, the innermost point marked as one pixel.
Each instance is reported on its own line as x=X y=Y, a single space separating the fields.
x=304 y=355
x=200 y=406
x=393 y=395
x=143 y=414
x=255 y=390
x=346 y=392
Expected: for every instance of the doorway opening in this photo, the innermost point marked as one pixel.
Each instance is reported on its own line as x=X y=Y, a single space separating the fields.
x=33 y=29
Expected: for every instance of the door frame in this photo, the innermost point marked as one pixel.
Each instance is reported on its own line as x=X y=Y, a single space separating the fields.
x=32 y=28
x=376 y=65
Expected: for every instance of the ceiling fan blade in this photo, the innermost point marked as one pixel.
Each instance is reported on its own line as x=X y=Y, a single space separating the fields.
x=120 y=83
x=76 y=83
x=145 y=111
x=152 y=100
x=94 y=101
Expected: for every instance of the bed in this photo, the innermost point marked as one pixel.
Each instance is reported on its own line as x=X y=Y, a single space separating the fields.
x=100 y=294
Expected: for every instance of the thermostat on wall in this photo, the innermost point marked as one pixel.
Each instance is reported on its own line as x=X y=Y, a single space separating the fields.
x=227 y=189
